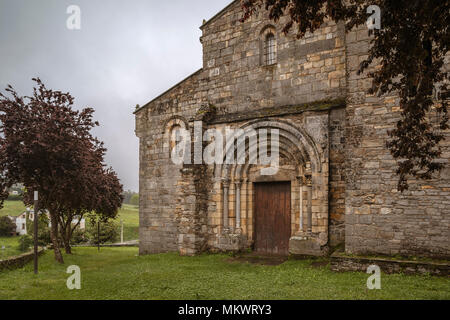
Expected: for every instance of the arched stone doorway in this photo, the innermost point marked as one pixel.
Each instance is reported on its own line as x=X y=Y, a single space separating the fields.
x=302 y=173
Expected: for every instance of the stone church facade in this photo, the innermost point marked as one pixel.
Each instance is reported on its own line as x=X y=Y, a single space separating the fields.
x=335 y=183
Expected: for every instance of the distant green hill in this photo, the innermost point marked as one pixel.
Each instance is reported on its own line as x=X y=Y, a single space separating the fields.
x=12 y=208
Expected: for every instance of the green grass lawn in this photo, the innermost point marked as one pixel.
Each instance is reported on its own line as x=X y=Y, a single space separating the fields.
x=128 y=213
x=130 y=216
x=12 y=208
x=11 y=247
x=119 y=273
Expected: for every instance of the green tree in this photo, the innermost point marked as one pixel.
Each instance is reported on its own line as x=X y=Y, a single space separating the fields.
x=134 y=199
x=47 y=145
x=25 y=242
x=79 y=236
x=43 y=229
x=127 y=196
x=108 y=231
x=18 y=189
x=7 y=227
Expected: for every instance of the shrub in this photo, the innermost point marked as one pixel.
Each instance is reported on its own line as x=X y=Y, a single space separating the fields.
x=15 y=197
x=7 y=227
x=108 y=232
x=43 y=230
x=134 y=199
x=25 y=242
x=79 y=236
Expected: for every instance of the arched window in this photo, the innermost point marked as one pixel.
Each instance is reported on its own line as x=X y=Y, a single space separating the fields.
x=270 y=49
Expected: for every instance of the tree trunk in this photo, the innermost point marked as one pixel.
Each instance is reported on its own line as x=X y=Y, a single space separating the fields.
x=65 y=236
x=68 y=236
x=67 y=248
x=54 y=237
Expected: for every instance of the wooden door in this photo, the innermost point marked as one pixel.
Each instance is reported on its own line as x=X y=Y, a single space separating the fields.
x=272 y=203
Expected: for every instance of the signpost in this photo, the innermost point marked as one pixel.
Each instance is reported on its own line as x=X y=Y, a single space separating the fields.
x=121 y=231
x=36 y=221
x=98 y=234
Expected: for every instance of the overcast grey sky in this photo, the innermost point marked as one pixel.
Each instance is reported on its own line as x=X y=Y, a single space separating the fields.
x=126 y=53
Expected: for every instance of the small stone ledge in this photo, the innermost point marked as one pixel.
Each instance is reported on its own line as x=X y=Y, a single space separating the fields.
x=341 y=262
x=231 y=242
x=278 y=111
x=302 y=246
x=18 y=261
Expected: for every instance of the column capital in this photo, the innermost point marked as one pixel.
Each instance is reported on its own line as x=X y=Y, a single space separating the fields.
x=238 y=183
x=308 y=179
x=301 y=180
x=226 y=183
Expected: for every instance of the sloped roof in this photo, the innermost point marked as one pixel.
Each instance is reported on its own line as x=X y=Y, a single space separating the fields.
x=168 y=90
x=220 y=13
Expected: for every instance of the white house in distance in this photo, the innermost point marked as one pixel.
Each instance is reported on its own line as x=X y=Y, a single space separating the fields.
x=21 y=222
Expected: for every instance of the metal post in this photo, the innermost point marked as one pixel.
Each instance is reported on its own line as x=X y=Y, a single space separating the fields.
x=98 y=234
x=121 y=231
x=36 y=221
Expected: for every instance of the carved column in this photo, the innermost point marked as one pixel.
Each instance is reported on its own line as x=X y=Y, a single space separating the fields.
x=238 y=204
x=246 y=199
x=300 y=184
x=309 y=190
x=226 y=188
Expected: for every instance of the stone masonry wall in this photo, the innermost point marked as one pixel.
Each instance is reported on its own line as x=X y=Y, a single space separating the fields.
x=380 y=220
x=307 y=70
x=162 y=183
